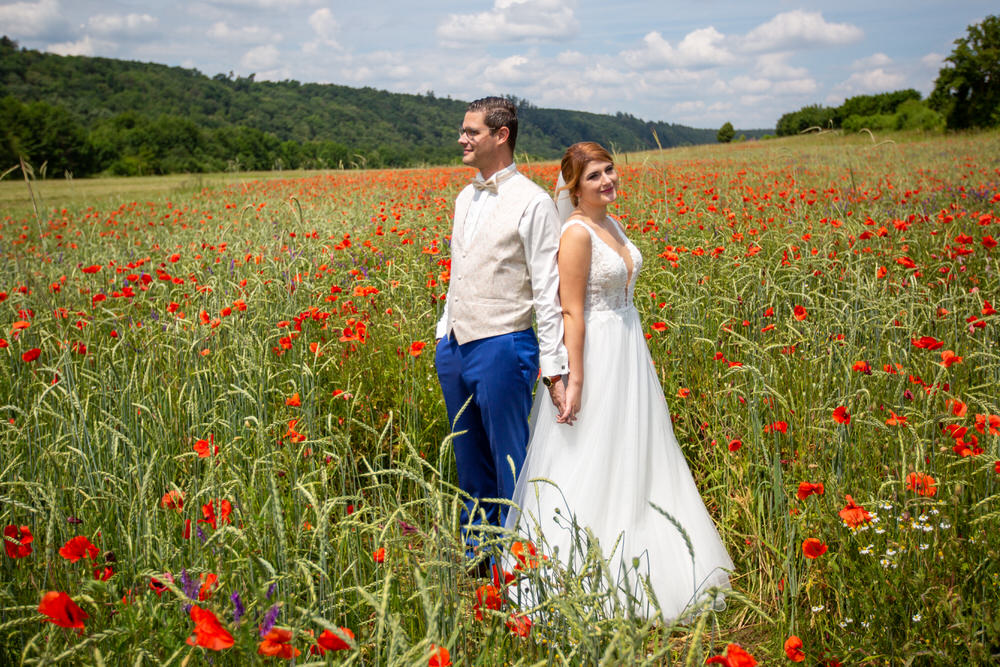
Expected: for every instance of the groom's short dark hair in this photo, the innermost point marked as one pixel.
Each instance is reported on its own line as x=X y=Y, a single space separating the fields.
x=499 y=112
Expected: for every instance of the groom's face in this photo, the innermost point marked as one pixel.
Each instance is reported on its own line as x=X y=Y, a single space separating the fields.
x=479 y=144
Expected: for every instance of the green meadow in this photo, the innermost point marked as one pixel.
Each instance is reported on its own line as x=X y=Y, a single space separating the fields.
x=222 y=436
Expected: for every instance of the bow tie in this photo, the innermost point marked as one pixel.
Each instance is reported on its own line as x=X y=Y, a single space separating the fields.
x=489 y=186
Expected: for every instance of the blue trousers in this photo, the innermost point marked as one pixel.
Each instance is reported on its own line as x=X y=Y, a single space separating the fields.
x=498 y=373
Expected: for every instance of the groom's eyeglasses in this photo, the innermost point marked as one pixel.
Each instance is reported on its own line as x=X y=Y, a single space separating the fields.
x=473 y=133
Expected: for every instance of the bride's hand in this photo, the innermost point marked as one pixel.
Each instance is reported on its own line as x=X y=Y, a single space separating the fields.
x=571 y=402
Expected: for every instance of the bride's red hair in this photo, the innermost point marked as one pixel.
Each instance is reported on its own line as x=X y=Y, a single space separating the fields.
x=575 y=161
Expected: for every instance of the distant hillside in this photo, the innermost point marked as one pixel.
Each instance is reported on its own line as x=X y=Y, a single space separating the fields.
x=91 y=115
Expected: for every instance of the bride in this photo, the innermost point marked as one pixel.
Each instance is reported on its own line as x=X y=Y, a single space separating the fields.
x=608 y=465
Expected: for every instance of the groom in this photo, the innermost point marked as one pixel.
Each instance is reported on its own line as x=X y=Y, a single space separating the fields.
x=504 y=243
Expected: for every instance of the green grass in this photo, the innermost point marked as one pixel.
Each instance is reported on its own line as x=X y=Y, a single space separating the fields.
x=92 y=441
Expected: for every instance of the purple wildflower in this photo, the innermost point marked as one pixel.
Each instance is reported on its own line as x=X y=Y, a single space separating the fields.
x=189 y=585
x=238 y=609
x=269 y=619
x=270 y=590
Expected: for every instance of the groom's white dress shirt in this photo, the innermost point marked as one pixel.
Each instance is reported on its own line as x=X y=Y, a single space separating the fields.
x=541 y=249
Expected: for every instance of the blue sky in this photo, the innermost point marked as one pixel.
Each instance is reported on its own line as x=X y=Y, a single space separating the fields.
x=695 y=63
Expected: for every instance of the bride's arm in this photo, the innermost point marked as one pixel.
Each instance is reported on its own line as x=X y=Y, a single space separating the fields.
x=574 y=270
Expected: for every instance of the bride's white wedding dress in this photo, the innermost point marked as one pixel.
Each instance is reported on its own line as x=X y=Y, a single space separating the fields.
x=618 y=460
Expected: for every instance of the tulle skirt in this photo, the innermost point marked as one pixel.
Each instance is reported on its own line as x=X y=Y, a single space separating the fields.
x=619 y=475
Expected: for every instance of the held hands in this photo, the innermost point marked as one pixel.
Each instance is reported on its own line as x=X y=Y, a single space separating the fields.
x=566 y=397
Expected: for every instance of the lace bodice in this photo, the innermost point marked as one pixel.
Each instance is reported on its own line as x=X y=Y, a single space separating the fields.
x=609 y=286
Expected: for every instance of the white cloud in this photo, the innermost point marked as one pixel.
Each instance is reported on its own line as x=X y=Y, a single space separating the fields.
x=876 y=80
x=571 y=58
x=746 y=84
x=802 y=86
x=251 y=34
x=30 y=19
x=872 y=61
x=324 y=24
x=508 y=70
x=326 y=27
x=112 y=24
x=774 y=66
x=261 y=58
x=510 y=21
x=699 y=48
x=81 y=47
x=265 y=4
x=799 y=29
x=935 y=60
x=861 y=83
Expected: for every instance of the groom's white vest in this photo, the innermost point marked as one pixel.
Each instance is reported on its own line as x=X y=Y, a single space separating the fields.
x=490 y=291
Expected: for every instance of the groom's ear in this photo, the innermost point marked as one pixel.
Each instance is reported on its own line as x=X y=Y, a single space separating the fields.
x=503 y=134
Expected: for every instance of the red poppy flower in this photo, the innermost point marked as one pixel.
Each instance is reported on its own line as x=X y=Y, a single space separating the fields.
x=331 y=641
x=776 y=426
x=895 y=420
x=948 y=358
x=658 y=326
x=31 y=355
x=526 y=555
x=79 y=547
x=508 y=577
x=158 y=586
x=793 y=649
x=293 y=401
x=91 y=269
x=985 y=421
x=440 y=657
x=416 y=348
x=487 y=596
x=735 y=657
x=957 y=407
x=172 y=500
x=208 y=632
x=853 y=514
x=927 y=343
x=206 y=448
x=17 y=541
x=921 y=484
x=292 y=434
x=276 y=644
x=807 y=489
x=735 y=444
x=800 y=313
x=379 y=555
x=519 y=625
x=862 y=367
x=813 y=548
x=841 y=415
x=61 y=610
x=683 y=392
x=208 y=585
x=215 y=511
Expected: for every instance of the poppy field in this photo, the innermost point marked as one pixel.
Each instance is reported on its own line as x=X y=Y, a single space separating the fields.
x=223 y=440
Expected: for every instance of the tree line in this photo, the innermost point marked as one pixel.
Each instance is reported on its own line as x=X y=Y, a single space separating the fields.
x=966 y=95
x=85 y=115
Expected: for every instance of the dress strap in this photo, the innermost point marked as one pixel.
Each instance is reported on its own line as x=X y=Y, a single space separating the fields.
x=567 y=224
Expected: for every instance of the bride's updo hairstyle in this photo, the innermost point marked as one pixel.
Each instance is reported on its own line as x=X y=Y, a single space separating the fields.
x=575 y=161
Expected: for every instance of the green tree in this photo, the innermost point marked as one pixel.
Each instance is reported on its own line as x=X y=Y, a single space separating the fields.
x=967 y=91
x=814 y=115
x=725 y=133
